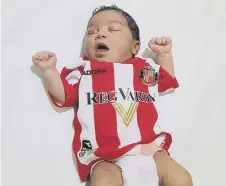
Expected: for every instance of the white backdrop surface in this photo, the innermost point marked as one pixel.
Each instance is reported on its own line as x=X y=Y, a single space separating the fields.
x=36 y=139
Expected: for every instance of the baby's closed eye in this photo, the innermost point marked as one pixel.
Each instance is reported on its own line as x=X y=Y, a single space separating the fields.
x=114 y=28
x=91 y=31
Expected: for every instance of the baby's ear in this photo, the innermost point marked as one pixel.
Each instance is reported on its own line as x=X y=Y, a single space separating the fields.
x=136 y=47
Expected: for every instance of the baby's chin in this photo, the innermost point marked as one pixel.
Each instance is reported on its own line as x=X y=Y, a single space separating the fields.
x=104 y=58
x=107 y=58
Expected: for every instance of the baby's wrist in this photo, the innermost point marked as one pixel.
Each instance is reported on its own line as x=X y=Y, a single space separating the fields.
x=52 y=68
x=164 y=54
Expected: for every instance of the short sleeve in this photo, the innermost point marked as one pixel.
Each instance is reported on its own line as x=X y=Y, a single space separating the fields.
x=70 y=77
x=165 y=82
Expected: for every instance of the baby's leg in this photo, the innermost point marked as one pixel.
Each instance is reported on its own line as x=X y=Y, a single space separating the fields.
x=106 y=174
x=170 y=172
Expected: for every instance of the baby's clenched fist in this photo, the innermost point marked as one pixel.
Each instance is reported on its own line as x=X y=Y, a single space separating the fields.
x=44 y=60
x=160 y=45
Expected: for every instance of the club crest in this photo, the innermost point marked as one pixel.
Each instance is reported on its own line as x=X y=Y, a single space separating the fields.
x=149 y=76
x=81 y=154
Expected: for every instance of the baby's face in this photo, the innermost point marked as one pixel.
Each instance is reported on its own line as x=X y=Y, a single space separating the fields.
x=109 y=39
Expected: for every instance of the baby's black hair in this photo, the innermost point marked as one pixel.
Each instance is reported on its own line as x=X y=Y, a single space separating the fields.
x=131 y=22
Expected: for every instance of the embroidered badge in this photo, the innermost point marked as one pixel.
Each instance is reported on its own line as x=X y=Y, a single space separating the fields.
x=149 y=76
x=86 y=146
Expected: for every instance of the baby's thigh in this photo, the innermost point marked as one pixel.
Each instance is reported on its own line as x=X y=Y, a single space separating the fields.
x=138 y=170
x=106 y=174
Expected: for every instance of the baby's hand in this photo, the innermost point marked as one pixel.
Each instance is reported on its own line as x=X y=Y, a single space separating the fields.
x=44 y=60
x=160 y=45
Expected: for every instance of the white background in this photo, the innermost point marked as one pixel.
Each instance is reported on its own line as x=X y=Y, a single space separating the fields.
x=36 y=139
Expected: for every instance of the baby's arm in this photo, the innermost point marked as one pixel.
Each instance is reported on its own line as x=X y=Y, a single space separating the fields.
x=62 y=87
x=162 y=47
x=164 y=58
x=54 y=85
x=46 y=62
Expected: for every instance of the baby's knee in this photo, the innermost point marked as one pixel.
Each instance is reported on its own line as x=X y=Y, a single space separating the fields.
x=106 y=174
x=184 y=179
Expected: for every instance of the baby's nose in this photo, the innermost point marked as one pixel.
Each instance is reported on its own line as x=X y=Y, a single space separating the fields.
x=101 y=34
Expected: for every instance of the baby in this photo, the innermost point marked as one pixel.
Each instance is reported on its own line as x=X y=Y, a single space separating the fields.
x=113 y=93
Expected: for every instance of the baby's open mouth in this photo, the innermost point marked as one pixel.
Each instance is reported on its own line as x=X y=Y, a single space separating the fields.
x=101 y=47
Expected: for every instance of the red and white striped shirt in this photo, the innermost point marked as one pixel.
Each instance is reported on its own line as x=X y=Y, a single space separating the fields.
x=114 y=106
